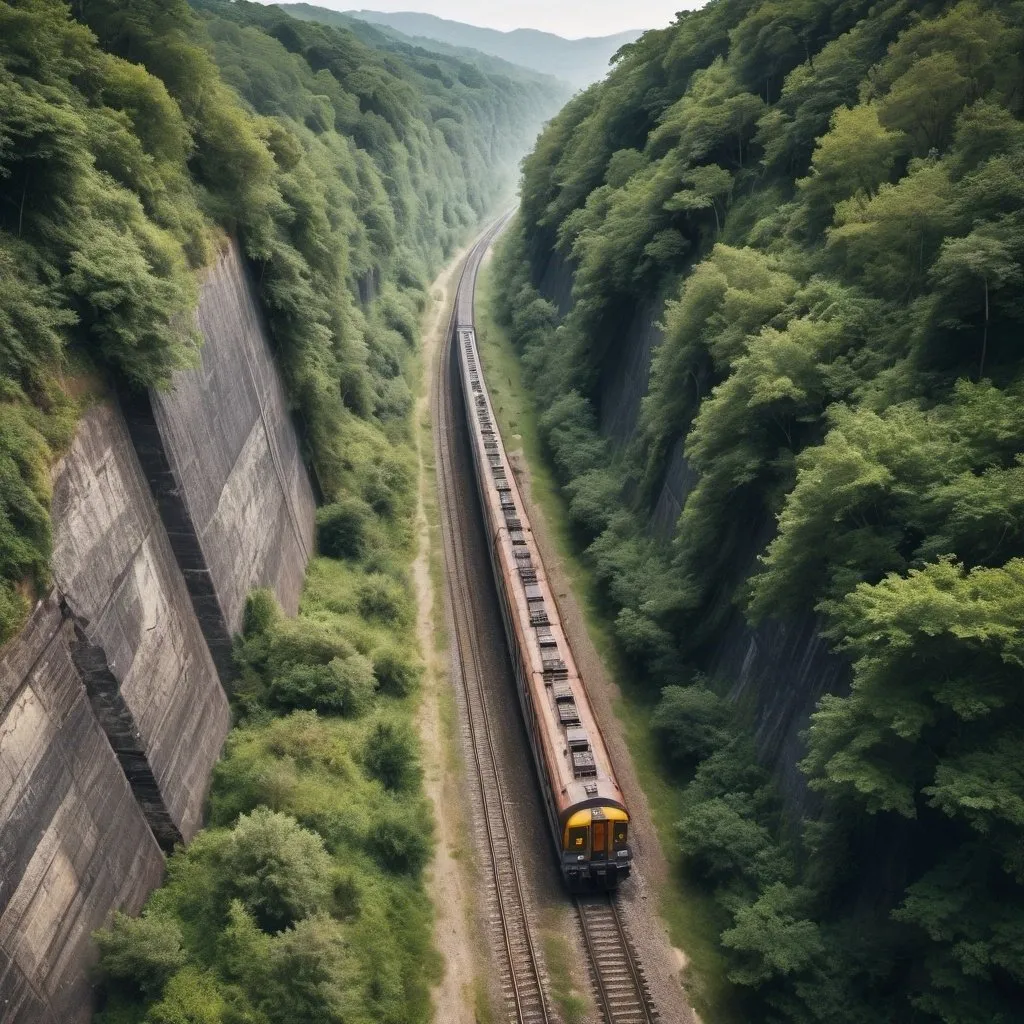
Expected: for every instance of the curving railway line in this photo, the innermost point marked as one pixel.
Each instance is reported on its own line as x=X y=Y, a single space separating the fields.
x=617 y=978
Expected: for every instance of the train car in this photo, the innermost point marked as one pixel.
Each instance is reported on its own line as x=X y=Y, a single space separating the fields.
x=584 y=804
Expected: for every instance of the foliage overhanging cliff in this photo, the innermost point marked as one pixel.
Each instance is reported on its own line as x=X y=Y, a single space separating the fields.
x=132 y=135
x=830 y=197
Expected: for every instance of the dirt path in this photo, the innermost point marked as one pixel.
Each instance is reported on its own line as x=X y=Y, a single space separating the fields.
x=449 y=879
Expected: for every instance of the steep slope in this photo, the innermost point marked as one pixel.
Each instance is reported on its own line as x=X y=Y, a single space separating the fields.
x=576 y=61
x=766 y=285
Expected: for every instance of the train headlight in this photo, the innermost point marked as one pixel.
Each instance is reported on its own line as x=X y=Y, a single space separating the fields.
x=622 y=853
x=581 y=857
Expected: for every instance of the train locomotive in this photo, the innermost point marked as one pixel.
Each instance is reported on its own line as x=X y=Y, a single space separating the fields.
x=585 y=807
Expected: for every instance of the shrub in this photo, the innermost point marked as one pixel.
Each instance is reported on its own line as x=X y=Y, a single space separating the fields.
x=773 y=937
x=279 y=871
x=310 y=976
x=389 y=756
x=192 y=997
x=261 y=612
x=341 y=529
x=721 y=841
x=142 y=952
x=691 y=723
x=344 y=686
x=398 y=844
x=305 y=642
x=380 y=597
x=397 y=675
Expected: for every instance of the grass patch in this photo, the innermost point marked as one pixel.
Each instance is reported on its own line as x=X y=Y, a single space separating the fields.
x=691 y=914
x=573 y=1004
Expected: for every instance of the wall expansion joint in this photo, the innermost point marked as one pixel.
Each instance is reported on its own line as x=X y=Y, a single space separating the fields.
x=118 y=723
x=181 y=530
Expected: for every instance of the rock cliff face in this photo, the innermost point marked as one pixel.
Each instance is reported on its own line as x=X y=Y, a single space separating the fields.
x=779 y=668
x=112 y=710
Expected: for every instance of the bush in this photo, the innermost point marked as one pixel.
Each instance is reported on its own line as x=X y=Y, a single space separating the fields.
x=261 y=613
x=192 y=997
x=691 y=723
x=305 y=642
x=721 y=841
x=279 y=871
x=398 y=844
x=142 y=952
x=397 y=675
x=344 y=686
x=389 y=756
x=341 y=529
x=380 y=597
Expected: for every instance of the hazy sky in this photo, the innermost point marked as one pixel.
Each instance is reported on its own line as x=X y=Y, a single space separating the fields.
x=572 y=18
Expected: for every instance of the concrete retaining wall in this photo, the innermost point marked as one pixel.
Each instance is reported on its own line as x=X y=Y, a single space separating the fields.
x=112 y=712
x=222 y=458
x=74 y=843
x=138 y=647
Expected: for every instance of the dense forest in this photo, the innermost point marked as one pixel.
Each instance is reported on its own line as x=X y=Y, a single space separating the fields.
x=136 y=138
x=826 y=197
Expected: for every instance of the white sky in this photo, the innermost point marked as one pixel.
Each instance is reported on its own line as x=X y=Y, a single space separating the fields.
x=570 y=18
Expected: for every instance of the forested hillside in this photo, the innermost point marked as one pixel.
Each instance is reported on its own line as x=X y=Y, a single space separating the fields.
x=829 y=197
x=132 y=140
x=384 y=34
x=136 y=137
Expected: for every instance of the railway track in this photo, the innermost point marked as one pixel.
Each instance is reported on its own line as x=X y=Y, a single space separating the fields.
x=617 y=976
x=523 y=982
x=616 y=973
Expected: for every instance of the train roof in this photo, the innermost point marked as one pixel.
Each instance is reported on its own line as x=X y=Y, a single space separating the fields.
x=571 y=742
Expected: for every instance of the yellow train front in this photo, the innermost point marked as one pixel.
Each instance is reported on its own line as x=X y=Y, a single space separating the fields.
x=595 y=847
x=585 y=807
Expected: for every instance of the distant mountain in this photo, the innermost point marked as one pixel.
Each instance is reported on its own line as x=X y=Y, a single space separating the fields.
x=384 y=37
x=576 y=61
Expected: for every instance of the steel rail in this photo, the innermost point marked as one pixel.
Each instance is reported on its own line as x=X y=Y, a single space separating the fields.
x=618 y=977
x=481 y=740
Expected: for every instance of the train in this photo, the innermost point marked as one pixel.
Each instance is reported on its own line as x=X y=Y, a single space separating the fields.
x=584 y=805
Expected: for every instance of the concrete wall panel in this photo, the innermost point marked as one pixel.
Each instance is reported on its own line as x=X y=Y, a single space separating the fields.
x=233 y=452
x=73 y=840
x=114 y=566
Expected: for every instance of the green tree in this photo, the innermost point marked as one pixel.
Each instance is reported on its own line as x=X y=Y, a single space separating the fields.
x=279 y=871
x=691 y=722
x=141 y=952
x=772 y=937
x=977 y=259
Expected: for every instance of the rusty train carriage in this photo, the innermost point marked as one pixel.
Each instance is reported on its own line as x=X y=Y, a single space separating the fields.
x=584 y=804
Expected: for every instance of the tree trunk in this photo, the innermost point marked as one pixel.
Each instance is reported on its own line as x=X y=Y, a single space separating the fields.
x=984 y=335
x=21 y=209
